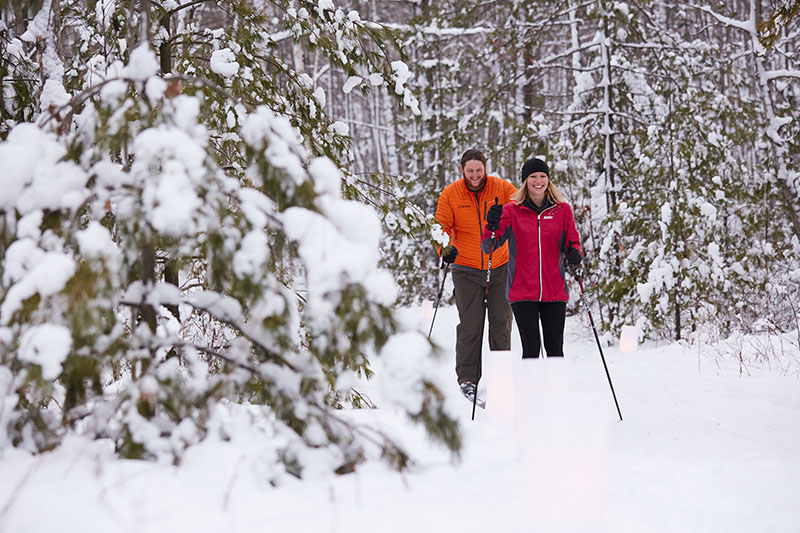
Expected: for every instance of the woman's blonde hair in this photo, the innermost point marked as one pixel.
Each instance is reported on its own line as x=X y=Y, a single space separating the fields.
x=552 y=193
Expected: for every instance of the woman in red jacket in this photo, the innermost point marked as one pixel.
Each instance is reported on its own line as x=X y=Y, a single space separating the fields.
x=541 y=234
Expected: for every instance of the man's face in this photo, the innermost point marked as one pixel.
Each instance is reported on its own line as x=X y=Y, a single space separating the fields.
x=475 y=174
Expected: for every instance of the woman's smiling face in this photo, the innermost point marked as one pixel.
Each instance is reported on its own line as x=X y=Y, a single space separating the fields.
x=537 y=186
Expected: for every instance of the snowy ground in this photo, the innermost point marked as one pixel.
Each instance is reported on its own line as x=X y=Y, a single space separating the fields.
x=701 y=448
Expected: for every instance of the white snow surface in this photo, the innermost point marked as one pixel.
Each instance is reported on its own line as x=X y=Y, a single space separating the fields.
x=46 y=345
x=264 y=129
x=252 y=256
x=401 y=75
x=343 y=247
x=702 y=448
x=224 y=63
x=96 y=241
x=33 y=177
x=54 y=94
x=351 y=83
x=32 y=270
x=143 y=64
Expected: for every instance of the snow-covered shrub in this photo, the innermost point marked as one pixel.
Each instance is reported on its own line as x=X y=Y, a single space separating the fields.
x=172 y=241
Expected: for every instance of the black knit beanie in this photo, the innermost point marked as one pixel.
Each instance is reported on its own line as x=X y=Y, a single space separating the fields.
x=534 y=165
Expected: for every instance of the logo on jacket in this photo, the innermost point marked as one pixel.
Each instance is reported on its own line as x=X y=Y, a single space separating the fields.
x=547 y=217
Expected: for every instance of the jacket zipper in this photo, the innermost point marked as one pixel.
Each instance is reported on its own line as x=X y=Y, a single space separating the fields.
x=480 y=220
x=539 y=242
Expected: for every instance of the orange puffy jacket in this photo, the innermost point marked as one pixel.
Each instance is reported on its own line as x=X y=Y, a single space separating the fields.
x=462 y=214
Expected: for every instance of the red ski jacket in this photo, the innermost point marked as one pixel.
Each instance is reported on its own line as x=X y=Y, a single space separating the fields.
x=536 y=244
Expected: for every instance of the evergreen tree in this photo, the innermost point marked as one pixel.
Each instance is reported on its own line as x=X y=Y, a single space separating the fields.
x=177 y=236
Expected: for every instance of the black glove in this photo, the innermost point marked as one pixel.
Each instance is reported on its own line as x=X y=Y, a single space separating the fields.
x=449 y=254
x=573 y=256
x=493 y=217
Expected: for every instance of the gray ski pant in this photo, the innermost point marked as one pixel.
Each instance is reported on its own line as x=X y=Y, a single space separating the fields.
x=469 y=292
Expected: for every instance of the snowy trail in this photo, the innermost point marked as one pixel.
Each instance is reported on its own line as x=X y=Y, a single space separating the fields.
x=700 y=450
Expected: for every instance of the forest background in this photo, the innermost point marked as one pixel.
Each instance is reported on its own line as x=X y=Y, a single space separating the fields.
x=671 y=127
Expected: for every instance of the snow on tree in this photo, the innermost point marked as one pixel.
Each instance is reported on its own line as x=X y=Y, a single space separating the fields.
x=638 y=109
x=178 y=233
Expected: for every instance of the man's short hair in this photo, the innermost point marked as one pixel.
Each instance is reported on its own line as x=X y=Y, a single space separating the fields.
x=473 y=154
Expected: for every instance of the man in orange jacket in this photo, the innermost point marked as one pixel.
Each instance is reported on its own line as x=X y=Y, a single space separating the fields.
x=461 y=212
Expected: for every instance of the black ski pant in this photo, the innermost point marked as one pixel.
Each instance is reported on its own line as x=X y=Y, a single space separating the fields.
x=552 y=316
x=470 y=287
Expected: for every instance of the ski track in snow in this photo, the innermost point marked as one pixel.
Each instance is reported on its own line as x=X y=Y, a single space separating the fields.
x=700 y=449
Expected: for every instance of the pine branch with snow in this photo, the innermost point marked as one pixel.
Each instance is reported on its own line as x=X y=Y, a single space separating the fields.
x=178 y=240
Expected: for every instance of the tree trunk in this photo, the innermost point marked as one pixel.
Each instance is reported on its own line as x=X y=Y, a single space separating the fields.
x=147 y=313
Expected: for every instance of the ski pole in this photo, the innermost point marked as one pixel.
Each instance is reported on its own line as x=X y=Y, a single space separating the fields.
x=579 y=277
x=439 y=297
x=483 y=322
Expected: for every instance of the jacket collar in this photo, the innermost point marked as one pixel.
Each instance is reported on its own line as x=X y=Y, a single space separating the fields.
x=537 y=209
